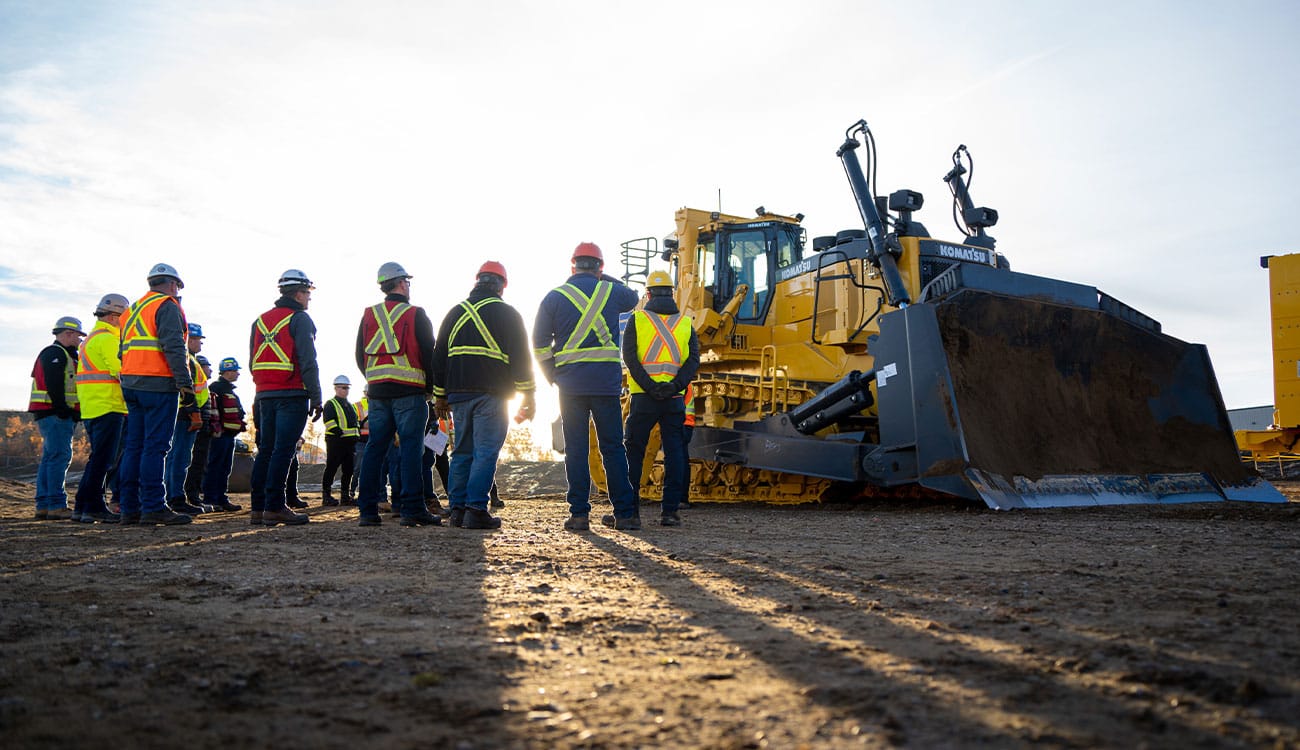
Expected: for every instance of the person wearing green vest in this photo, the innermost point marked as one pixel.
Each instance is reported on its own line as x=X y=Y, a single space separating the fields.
x=662 y=355
x=54 y=406
x=99 y=390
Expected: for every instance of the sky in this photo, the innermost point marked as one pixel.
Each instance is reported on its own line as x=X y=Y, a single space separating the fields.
x=1146 y=148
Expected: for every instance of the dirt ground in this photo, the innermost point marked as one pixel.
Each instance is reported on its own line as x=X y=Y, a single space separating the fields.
x=750 y=626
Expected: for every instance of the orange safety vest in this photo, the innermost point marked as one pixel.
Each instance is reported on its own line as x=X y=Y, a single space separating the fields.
x=363 y=410
x=142 y=353
x=392 y=351
x=273 y=364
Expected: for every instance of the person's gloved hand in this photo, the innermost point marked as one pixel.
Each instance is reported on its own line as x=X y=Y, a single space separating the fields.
x=316 y=411
x=187 y=397
x=195 y=421
x=442 y=408
x=662 y=391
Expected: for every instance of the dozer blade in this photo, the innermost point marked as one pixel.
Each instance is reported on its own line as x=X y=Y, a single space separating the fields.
x=1024 y=402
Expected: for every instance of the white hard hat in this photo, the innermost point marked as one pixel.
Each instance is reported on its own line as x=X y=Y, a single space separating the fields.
x=294 y=277
x=164 y=271
x=112 y=303
x=391 y=270
x=342 y=380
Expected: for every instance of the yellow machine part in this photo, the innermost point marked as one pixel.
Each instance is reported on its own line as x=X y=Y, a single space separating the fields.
x=1284 y=309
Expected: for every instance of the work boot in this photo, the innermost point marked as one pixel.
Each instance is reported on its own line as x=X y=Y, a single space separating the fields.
x=255 y=518
x=284 y=516
x=422 y=519
x=670 y=519
x=479 y=519
x=164 y=517
x=225 y=506
x=129 y=519
x=348 y=499
x=370 y=521
x=433 y=506
x=295 y=503
x=180 y=505
x=328 y=500
x=102 y=516
x=56 y=514
x=632 y=523
x=457 y=516
x=577 y=523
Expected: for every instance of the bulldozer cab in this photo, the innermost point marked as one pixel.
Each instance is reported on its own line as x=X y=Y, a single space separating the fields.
x=749 y=255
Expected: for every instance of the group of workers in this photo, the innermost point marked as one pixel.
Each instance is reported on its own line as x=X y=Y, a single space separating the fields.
x=140 y=385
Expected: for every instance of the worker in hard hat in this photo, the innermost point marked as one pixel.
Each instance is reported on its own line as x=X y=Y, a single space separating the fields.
x=229 y=423
x=575 y=340
x=193 y=486
x=481 y=361
x=362 y=405
x=99 y=393
x=282 y=358
x=662 y=355
x=189 y=423
x=395 y=351
x=341 y=432
x=54 y=406
x=155 y=371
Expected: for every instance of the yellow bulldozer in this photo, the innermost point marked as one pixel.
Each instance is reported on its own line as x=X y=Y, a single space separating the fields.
x=1278 y=447
x=883 y=362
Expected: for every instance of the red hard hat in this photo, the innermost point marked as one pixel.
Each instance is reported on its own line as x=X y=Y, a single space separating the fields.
x=588 y=250
x=494 y=267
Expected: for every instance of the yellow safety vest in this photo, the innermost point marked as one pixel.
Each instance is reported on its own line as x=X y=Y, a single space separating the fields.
x=590 y=320
x=200 y=380
x=337 y=418
x=99 y=367
x=662 y=344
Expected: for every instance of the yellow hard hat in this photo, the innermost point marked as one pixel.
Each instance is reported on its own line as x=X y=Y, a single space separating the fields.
x=658 y=279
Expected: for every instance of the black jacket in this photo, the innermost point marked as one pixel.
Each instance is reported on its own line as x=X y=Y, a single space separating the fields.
x=472 y=373
x=53 y=359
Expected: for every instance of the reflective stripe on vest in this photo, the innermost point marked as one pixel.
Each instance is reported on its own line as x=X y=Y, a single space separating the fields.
x=385 y=359
x=141 y=351
x=662 y=342
x=336 y=419
x=490 y=348
x=363 y=410
x=590 y=321
x=98 y=389
x=232 y=414
x=40 y=399
x=200 y=379
x=269 y=346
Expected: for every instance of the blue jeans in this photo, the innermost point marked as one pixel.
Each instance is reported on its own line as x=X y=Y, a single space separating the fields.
x=216 y=477
x=105 y=434
x=481 y=424
x=151 y=419
x=56 y=455
x=643 y=414
x=280 y=422
x=404 y=417
x=178 y=459
x=577 y=411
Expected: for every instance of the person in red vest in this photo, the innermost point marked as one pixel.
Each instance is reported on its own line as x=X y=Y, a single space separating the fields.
x=155 y=371
x=395 y=351
x=282 y=358
x=53 y=405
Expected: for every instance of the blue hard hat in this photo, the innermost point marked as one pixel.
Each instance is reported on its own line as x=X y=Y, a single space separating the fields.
x=196 y=330
x=228 y=364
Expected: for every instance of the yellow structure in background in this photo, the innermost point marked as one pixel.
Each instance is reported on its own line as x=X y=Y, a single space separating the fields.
x=1281 y=438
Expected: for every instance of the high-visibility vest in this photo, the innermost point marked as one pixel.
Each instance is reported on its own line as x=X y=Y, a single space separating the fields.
x=689 y=421
x=273 y=364
x=590 y=321
x=662 y=344
x=391 y=347
x=340 y=419
x=363 y=410
x=200 y=379
x=40 y=399
x=142 y=353
x=470 y=315
x=231 y=412
x=99 y=389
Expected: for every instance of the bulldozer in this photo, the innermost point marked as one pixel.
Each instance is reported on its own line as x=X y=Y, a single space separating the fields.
x=1278 y=447
x=882 y=362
